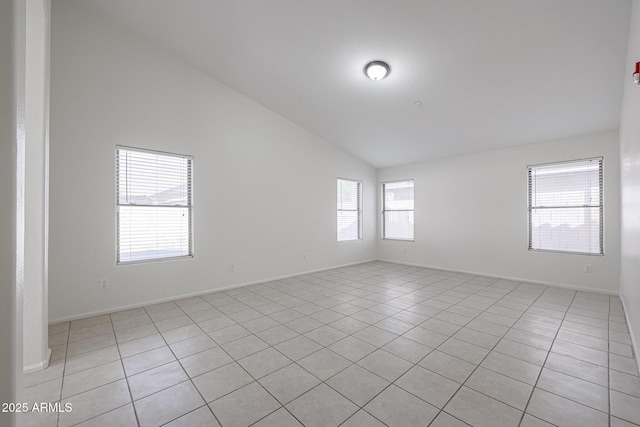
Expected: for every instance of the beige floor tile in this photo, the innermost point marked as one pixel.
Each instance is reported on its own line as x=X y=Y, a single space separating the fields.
x=228 y=333
x=426 y=337
x=173 y=323
x=55 y=370
x=321 y=406
x=577 y=368
x=204 y=315
x=89 y=321
x=512 y=367
x=397 y=407
x=168 y=404
x=244 y=346
x=140 y=345
x=289 y=382
x=244 y=406
x=182 y=333
x=92 y=378
x=156 y=379
x=325 y=335
x=99 y=329
x=276 y=334
x=91 y=344
x=375 y=336
x=521 y=351
x=428 y=386
x=166 y=314
x=385 y=365
x=264 y=362
x=201 y=417
x=279 y=418
x=259 y=324
x=463 y=350
x=623 y=364
x=500 y=387
x=124 y=335
x=205 y=361
x=531 y=421
x=298 y=347
x=352 y=348
x=147 y=360
x=95 y=402
x=625 y=407
x=124 y=314
x=445 y=420
x=218 y=382
x=192 y=346
x=91 y=359
x=121 y=417
x=575 y=389
x=448 y=366
x=49 y=391
x=407 y=349
x=625 y=383
x=131 y=322
x=560 y=411
x=479 y=410
x=617 y=422
x=357 y=384
x=324 y=363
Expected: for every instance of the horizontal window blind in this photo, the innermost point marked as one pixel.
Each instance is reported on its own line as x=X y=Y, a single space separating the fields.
x=397 y=210
x=154 y=205
x=566 y=207
x=349 y=210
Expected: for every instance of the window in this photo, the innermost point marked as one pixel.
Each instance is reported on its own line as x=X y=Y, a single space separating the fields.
x=153 y=205
x=349 y=210
x=565 y=207
x=397 y=210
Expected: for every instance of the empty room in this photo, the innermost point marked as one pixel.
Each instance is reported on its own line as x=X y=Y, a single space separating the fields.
x=320 y=213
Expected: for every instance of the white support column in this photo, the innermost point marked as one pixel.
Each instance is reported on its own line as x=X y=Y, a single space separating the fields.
x=36 y=338
x=12 y=144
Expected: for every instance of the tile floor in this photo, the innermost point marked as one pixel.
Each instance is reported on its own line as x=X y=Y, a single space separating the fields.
x=368 y=345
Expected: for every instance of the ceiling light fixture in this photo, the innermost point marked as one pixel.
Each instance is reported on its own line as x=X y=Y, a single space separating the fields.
x=377 y=70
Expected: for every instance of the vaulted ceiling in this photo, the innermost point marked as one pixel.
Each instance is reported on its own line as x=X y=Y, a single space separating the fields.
x=466 y=75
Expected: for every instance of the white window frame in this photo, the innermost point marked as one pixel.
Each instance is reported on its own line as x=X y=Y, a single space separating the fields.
x=385 y=209
x=133 y=205
x=533 y=205
x=358 y=210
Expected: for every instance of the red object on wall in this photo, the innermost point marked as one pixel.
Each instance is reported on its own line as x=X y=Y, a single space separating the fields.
x=636 y=74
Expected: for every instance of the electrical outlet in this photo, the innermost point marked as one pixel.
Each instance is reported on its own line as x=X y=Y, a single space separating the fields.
x=304 y=257
x=103 y=284
x=232 y=267
x=587 y=268
x=404 y=250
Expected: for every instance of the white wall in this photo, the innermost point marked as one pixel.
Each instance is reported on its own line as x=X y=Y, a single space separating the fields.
x=471 y=215
x=630 y=185
x=264 y=191
x=12 y=70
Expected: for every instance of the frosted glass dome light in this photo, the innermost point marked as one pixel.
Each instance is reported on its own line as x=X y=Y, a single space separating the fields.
x=377 y=70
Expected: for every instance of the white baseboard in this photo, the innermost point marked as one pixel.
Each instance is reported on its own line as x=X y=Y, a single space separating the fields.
x=195 y=294
x=515 y=279
x=43 y=364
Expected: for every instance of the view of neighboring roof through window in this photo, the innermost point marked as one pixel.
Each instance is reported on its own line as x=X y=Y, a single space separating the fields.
x=154 y=205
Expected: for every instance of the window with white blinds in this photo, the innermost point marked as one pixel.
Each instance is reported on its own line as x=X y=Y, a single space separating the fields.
x=349 y=210
x=565 y=207
x=397 y=210
x=153 y=205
